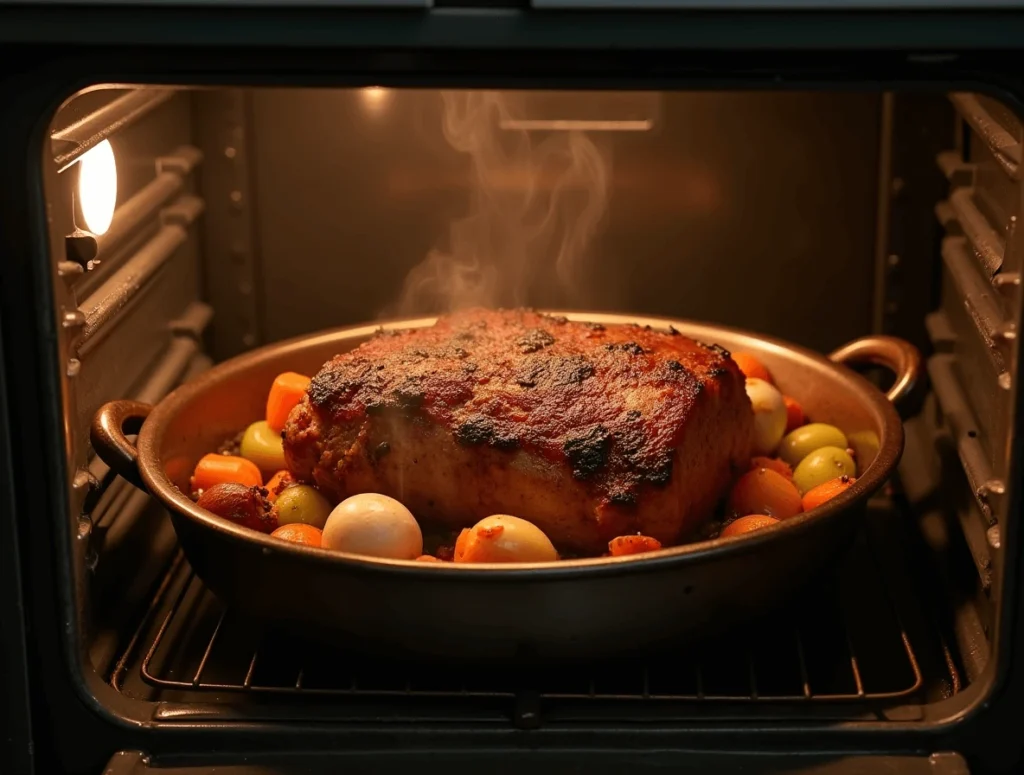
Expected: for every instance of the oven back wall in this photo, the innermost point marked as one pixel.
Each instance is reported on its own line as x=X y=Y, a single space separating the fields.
x=752 y=209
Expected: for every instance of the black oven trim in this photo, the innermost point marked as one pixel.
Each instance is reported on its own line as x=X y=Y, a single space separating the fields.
x=69 y=717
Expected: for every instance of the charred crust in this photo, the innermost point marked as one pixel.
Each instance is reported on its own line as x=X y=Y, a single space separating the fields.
x=622 y=498
x=554 y=372
x=330 y=386
x=627 y=347
x=720 y=350
x=535 y=339
x=380 y=451
x=633 y=414
x=408 y=397
x=672 y=331
x=674 y=365
x=594 y=326
x=588 y=450
x=469 y=367
x=661 y=472
x=557 y=319
x=479 y=430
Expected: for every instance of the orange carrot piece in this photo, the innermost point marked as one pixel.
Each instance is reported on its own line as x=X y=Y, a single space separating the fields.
x=751 y=366
x=826 y=491
x=285 y=393
x=222 y=469
x=772 y=464
x=632 y=544
x=748 y=524
x=794 y=414
x=278 y=483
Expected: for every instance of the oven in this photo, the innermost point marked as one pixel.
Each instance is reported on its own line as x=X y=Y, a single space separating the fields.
x=183 y=183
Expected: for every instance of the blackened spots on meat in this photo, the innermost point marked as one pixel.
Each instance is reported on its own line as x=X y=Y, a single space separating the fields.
x=672 y=331
x=717 y=371
x=421 y=354
x=458 y=352
x=570 y=371
x=555 y=372
x=630 y=442
x=380 y=451
x=627 y=347
x=329 y=387
x=482 y=430
x=469 y=367
x=633 y=414
x=528 y=375
x=594 y=326
x=505 y=443
x=535 y=339
x=587 y=451
x=674 y=365
x=661 y=472
x=622 y=498
x=716 y=348
x=408 y=397
x=559 y=319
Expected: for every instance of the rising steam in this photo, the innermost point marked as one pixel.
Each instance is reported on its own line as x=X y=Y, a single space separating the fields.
x=536 y=202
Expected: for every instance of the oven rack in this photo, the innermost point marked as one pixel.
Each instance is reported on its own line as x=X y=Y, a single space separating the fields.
x=843 y=643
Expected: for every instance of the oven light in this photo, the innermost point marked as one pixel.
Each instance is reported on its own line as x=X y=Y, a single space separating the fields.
x=374 y=98
x=97 y=187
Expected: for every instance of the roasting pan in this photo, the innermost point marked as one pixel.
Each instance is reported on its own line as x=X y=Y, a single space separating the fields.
x=576 y=609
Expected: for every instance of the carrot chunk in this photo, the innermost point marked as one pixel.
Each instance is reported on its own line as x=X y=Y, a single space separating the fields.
x=222 y=469
x=285 y=393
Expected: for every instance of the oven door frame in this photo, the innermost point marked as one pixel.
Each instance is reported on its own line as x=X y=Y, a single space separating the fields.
x=60 y=52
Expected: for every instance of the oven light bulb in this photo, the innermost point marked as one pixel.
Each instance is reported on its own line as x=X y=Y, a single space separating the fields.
x=374 y=98
x=97 y=187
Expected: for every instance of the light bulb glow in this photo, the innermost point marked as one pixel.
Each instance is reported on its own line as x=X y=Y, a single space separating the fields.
x=374 y=98
x=97 y=187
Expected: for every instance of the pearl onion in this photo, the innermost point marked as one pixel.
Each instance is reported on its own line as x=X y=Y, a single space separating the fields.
x=769 y=415
x=503 y=538
x=373 y=525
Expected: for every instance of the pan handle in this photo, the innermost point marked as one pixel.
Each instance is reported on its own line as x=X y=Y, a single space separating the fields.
x=897 y=355
x=113 y=423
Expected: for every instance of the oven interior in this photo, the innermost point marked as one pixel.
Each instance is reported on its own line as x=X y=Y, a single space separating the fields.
x=190 y=225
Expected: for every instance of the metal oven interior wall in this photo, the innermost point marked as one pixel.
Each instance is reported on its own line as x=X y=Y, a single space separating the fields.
x=266 y=213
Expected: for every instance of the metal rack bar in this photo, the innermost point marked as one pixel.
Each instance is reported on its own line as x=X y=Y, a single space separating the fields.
x=802 y=690
x=71 y=142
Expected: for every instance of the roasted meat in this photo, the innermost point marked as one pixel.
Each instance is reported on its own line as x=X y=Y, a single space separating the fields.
x=588 y=431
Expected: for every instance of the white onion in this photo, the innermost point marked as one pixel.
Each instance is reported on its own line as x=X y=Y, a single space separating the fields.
x=769 y=415
x=373 y=525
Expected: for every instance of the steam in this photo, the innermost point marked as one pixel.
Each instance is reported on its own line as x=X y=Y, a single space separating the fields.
x=536 y=203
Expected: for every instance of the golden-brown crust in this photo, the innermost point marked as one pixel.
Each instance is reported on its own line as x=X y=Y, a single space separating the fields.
x=598 y=413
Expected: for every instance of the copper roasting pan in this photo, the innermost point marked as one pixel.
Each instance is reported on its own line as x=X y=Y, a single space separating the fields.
x=547 y=612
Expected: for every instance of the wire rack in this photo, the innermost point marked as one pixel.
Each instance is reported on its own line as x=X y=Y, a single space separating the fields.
x=844 y=641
